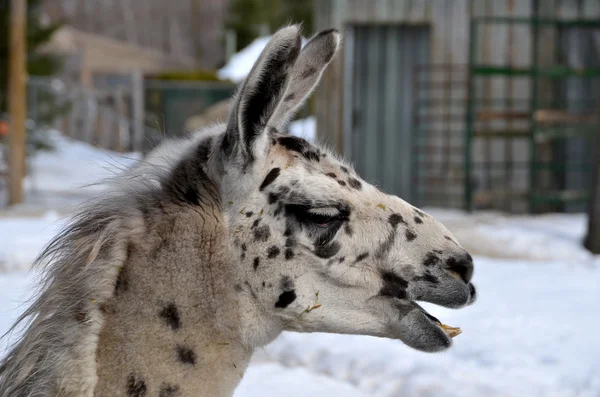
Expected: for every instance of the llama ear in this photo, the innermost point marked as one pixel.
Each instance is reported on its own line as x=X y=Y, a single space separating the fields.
x=260 y=94
x=306 y=74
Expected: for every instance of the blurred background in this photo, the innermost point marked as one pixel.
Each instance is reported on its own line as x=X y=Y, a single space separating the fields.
x=483 y=112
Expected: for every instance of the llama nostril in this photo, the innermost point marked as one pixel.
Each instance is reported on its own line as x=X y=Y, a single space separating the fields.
x=462 y=266
x=473 y=292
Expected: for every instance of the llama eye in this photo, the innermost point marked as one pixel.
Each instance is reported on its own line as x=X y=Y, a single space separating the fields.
x=321 y=220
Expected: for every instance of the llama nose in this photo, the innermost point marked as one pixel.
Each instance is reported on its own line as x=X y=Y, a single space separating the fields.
x=461 y=265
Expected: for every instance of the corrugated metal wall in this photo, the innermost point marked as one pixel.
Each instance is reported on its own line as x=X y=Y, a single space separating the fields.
x=378 y=116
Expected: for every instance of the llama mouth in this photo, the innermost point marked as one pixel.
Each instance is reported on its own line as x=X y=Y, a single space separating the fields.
x=448 y=330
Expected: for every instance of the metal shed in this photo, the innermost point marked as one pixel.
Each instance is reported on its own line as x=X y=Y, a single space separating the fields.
x=396 y=100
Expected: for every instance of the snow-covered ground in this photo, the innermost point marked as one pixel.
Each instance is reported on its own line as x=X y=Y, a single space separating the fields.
x=533 y=331
x=65 y=177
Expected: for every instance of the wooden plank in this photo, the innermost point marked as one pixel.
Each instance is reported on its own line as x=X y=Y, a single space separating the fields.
x=591 y=9
x=567 y=9
x=440 y=27
x=459 y=34
x=550 y=116
x=489 y=115
x=17 y=100
x=417 y=13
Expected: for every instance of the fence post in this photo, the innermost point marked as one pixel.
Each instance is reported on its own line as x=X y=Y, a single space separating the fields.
x=138 y=110
x=17 y=99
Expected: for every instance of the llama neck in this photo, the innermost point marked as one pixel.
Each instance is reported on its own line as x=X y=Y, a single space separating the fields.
x=172 y=326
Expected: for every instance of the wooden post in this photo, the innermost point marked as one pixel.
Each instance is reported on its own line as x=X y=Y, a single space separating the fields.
x=592 y=239
x=137 y=97
x=17 y=77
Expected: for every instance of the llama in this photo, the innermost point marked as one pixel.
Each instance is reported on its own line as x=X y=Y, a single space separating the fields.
x=216 y=244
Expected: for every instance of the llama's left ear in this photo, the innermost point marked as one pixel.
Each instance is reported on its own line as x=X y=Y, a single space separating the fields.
x=306 y=75
x=260 y=95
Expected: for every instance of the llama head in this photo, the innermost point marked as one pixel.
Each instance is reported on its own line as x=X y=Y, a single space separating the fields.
x=319 y=249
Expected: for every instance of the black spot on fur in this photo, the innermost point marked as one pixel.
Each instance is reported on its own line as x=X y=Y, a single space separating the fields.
x=348 y=230
x=249 y=214
x=256 y=263
x=289 y=254
x=308 y=72
x=289 y=97
x=273 y=198
x=122 y=283
x=410 y=236
x=271 y=176
x=188 y=184
x=262 y=233
x=342 y=183
x=393 y=285
x=170 y=314
x=168 y=390
x=327 y=251
x=186 y=355
x=395 y=219
x=345 y=169
x=285 y=299
x=418 y=220
x=136 y=386
x=331 y=175
x=361 y=257
x=431 y=259
x=272 y=252
x=385 y=247
x=299 y=145
x=238 y=288
x=294 y=144
x=286 y=283
x=355 y=183
x=255 y=223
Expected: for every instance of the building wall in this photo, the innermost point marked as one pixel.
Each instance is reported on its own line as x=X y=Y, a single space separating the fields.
x=189 y=31
x=449 y=22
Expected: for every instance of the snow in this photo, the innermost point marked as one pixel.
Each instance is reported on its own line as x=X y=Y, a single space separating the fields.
x=68 y=175
x=80 y=165
x=532 y=332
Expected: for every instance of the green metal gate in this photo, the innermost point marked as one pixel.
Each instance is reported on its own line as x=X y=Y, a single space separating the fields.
x=555 y=123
